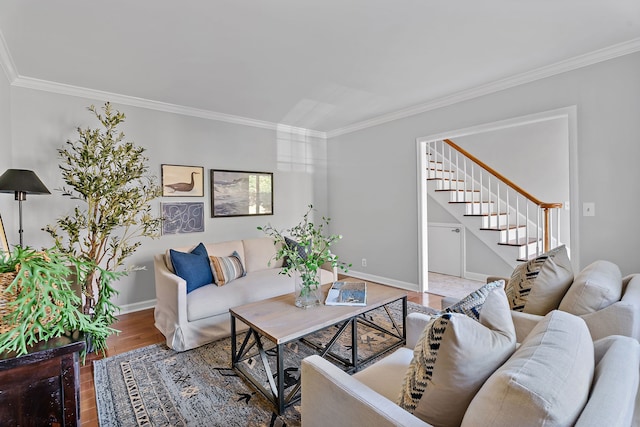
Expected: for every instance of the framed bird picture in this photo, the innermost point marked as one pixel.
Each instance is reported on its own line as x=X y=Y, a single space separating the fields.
x=239 y=193
x=182 y=181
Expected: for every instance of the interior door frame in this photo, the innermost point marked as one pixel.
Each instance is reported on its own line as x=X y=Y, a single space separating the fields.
x=569 y=113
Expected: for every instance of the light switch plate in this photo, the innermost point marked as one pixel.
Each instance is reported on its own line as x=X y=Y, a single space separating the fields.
x=589 y=209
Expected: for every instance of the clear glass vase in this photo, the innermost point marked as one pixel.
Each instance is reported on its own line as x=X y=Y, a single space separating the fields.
x=308 y=290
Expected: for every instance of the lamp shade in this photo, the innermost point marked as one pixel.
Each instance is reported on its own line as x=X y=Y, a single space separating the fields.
x=21 y=180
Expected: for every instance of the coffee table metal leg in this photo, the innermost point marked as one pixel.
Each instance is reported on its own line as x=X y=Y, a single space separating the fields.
x=280 y=374
x=354 y=343
x=234 y=358
x=404 y=319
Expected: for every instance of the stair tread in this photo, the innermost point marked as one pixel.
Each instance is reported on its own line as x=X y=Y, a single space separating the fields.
x=462 y=191
x=520 y=242
x=502 y=227
x=486 y=214
x=445 y=179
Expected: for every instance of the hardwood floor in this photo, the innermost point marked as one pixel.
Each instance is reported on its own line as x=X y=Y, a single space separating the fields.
x=137 y=330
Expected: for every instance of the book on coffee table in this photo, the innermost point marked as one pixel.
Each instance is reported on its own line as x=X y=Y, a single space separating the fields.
x=347 y=293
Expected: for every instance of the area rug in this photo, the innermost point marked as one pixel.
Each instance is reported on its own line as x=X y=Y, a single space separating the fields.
x=157 y=386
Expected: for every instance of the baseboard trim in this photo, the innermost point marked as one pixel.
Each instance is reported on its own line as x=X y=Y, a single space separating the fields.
x=476 y=276
x=137 y=306
x=383 y=280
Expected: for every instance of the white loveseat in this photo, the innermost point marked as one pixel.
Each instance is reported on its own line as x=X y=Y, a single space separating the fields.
x=532 y=388
x=189 y=320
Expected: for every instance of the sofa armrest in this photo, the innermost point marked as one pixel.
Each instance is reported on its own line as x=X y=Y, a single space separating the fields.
x=327 y=266
x=448 y=302
x=620 y=318
x=171 y=300
x=331 y=397
x=416 y=323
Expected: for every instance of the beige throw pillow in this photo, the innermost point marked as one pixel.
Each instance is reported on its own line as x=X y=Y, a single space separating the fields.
x=537 y=286
x=453 y=358
x=545 y=383
x=597 y=286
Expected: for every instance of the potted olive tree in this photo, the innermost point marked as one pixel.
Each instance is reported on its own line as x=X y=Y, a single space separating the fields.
x=111 y=179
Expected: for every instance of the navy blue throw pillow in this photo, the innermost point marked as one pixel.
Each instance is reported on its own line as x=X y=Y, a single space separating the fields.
x=193 y=267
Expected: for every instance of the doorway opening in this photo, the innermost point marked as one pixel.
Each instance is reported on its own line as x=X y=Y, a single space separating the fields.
x=509 y=144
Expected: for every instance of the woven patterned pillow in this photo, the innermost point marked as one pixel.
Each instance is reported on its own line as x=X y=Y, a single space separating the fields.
x=226 y=268
x=453 y=358
x=537 y=286
x=472 y=303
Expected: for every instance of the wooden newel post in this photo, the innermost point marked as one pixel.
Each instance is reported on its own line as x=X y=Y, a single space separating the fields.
x=547 y=231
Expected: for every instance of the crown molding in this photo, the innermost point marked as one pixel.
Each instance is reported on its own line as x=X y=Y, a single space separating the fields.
x=83 y=92
x=570 y=64
x=6 y=61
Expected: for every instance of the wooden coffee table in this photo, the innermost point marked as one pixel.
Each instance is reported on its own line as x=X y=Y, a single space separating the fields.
x=279 y=321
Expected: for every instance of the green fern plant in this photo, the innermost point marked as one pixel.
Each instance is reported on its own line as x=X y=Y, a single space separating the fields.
x=42 y=303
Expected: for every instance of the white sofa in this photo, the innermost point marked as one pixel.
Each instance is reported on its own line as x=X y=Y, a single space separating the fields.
x=201 y=316
x=590 y=296
x=524 y=391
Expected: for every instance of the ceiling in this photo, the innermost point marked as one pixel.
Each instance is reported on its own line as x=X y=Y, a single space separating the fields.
x=324 y=65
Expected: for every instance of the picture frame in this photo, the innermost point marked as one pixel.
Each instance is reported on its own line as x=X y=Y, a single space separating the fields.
x=182 y=217
x=182 y=181
x=4 y=243
x=241 y=193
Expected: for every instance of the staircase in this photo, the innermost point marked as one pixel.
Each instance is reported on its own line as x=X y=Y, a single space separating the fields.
x=501 y=214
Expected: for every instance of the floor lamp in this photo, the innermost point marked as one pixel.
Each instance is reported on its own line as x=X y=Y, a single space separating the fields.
x=21 y=182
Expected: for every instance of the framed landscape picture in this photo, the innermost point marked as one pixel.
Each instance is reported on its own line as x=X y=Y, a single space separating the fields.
x=238 y=193
x=182 y=217
x=182 y=181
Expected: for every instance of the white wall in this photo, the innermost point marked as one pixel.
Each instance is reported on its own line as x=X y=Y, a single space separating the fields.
x=5 y=143
x=372 y=172
x=42 y=122
x=535 y=156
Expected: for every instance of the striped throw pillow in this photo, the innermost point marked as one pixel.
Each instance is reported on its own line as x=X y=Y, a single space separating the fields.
x=226 y=268
x=453 y=357
x=471 y=305
x=537 y=286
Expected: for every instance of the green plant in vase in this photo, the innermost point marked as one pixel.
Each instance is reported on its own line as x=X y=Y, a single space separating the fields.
x=38 y=302
x=111 y=178
x=305 y=248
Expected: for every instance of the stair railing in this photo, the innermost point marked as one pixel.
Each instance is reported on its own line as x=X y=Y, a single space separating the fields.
x=523 y=219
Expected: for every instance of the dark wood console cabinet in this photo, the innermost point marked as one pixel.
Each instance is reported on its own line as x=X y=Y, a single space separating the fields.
x=42 y=388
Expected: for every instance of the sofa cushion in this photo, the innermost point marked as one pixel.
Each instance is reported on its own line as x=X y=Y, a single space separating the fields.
x=226 y=249
x=615 y=383
x=387 y=374
x=209 y=301
x=597 y=286
x=545 y=382
x=212 y=300
x=226 y=268
x=193 y=267
x=471 y=305
x=537 y=286
x=453 y=358
x=260 y=254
